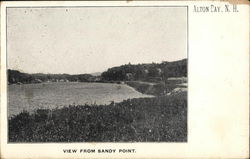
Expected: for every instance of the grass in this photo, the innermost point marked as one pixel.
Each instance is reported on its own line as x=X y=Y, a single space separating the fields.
x=156 y=89
x=162 y=118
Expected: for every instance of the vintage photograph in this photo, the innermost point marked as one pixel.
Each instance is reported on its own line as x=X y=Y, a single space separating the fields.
x=97 y=74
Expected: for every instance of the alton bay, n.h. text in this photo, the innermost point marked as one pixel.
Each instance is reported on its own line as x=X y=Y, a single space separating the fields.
x=215 y=8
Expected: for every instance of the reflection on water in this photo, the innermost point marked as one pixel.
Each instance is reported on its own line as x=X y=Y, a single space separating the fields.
x=51 y=95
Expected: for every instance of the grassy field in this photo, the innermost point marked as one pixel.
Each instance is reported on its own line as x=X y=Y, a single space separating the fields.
x=162 y=118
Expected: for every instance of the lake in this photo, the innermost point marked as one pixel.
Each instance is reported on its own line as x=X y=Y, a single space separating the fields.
x=55 y=95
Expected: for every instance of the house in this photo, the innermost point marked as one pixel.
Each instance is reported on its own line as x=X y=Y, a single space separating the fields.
x=129 y=76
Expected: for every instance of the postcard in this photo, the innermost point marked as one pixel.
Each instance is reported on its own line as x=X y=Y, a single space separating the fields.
x=125 y=79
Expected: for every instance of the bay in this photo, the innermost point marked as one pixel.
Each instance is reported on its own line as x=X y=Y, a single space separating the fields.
x=30 y=97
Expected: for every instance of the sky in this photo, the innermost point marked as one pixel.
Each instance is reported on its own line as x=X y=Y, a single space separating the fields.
x=93 y=39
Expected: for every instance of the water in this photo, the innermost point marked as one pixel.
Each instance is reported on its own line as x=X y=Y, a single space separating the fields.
x=55 y=95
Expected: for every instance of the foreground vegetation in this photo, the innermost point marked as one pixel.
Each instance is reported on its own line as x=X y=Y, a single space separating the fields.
x=162 y=118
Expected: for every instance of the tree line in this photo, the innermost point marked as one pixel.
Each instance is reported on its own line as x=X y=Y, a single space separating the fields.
x=153 y=72
x=147 y=72
x=18 y=77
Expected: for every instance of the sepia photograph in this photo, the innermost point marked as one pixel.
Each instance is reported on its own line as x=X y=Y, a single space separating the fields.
x=97 y=74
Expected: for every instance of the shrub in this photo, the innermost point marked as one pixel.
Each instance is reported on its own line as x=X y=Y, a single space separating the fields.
x=160 y=118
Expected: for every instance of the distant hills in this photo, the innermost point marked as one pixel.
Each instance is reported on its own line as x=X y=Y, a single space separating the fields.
x=18 y=77
x=152 y=72
x=96 y=74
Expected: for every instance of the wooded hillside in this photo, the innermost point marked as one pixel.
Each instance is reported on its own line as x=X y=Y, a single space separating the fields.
x=147 y=72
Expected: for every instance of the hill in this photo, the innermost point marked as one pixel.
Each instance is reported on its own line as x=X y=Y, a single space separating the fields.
x=153 y=72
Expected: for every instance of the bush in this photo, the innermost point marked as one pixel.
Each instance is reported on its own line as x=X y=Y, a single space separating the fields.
x=135 y=120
